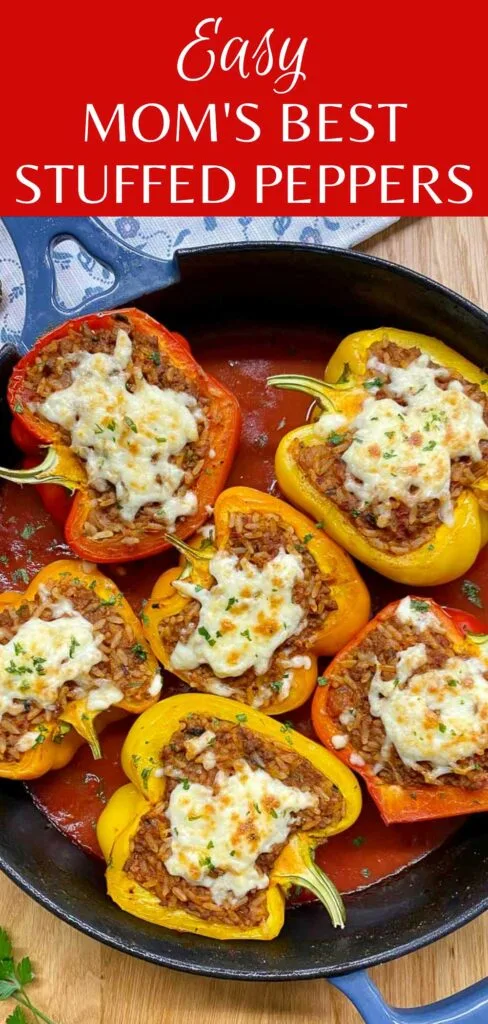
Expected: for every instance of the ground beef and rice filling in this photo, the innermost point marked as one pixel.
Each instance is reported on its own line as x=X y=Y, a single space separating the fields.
x=123 y=660
x=52 y=372
x=184 y=762
x=350 y=702
x=407 y=526
x=257 y=539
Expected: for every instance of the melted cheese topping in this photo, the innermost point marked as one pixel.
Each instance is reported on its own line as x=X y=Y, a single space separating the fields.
x=244 y=618
x=229 y=827
x=404 y=451
x=438 y=715
x=127 y=438
x=43 y=656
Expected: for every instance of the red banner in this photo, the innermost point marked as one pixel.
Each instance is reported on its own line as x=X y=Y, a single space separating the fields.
x=258 y=109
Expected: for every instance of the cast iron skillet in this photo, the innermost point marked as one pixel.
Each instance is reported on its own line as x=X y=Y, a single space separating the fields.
x=267 y=284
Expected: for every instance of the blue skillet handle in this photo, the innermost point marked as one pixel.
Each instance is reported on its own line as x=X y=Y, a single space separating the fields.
x=467 y=1007
x=135 y=274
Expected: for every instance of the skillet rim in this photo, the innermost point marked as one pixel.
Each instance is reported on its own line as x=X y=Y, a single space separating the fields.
x=454 y=921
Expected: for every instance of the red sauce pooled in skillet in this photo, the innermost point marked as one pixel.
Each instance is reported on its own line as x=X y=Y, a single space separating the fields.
x=73 y=798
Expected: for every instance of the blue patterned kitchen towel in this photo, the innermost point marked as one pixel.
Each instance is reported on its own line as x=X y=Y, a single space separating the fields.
x=79 y=276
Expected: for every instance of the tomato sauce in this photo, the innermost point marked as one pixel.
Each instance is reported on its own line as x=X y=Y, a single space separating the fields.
x=73 y=798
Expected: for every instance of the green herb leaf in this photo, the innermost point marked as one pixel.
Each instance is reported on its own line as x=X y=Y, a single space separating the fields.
x=17 y=1017
x=241 y=717
x=206 y=635
x=419 y=606
x=73 y=644
x=29 y=530
x=308 y=537
x=21 y=574
x=230 y=603
x=155 y=358
x=5 y=945
x=322 y=681
x=7 y=989
x=472 y=592
x=335 y=438
x=246 y=634
x=442 y=727
x=139 y=651
x=185 y=783
x=24 y=971
x=358 y=841
x=376 y=382
x=130 y=423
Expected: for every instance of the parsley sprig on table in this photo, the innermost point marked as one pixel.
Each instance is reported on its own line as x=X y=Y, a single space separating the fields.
x=14 y=977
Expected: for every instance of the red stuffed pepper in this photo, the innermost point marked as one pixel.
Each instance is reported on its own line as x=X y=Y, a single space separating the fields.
x=405 y=704
x=133 y=425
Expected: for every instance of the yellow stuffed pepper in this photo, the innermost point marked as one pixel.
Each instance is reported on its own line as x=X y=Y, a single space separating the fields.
x=72 y=650
x=395 y=467
x=253 y=607
x=221 y=816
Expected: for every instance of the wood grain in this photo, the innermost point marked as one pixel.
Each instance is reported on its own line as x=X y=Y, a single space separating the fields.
x=81 y=982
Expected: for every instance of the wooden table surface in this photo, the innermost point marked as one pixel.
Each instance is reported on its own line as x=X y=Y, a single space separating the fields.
x=81 y=982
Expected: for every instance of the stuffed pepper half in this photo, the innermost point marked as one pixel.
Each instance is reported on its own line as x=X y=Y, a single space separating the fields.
x=396 y=467
x=406 y=705
x=251 y=609
x=135 y=427
x=221 y=817
x=71 y=648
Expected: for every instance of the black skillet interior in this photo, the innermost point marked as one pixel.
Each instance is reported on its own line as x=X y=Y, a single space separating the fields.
x=312 y=288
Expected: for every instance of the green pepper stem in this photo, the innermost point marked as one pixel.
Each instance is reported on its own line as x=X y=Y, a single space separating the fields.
x=302 y=870
x=40 y=474
x=308 y=385
x=478 y=638
x=190 y=553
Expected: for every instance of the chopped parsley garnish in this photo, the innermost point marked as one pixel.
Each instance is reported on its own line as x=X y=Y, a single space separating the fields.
x=232 y=601
x=29 y=530
x=39 y=665
x=273 y=812
x=257 y=808
x=42 y=731
x=320 y=524
x=205 y=862
x=442 y=727
x=452 y=682
x=335 y=438
x=210 y=845
x=161 y=440
x=145 y=775
x=18 y=407
x=277 y=686
x=233 y=853
x=472 y=592
x=19 y=649
x=17 y=670
x=322 y=681
x=358 y=841
x=111 y=425
x=21 y=574
x=73 y=644
x=308 y=537
x=419 y=606
x=365 y=872
x=198 y=588
x=98 y=429
x=185 y=783
x=62 y=730
x=130 y=423
x=246 y=634
x=155 y=358
x=430 y=446
x=389 y=455
x=377 y=382
x=206 y=635
x=389 y=433
x=241 y=717
x=139 y=652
